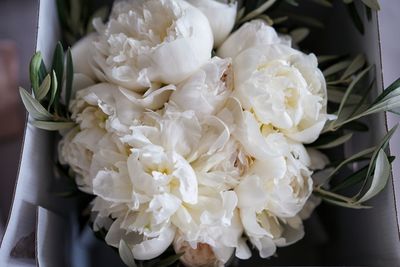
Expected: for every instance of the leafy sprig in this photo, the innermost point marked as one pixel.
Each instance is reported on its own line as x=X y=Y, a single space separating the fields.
x=45 y=105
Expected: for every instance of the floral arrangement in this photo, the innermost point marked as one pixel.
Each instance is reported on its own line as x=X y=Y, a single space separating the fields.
x=196 y=126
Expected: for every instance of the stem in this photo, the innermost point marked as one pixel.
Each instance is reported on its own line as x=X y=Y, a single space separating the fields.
x=333 y=195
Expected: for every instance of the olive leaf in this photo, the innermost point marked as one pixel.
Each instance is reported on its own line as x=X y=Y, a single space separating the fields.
x=34 y=68
x=53 y=125
x=35 y=109
x=126 y=254
x=43 y=88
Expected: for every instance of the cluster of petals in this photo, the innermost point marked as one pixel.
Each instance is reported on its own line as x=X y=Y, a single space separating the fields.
x=185 y=149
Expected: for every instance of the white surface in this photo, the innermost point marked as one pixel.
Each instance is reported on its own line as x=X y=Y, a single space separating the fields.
x=389 y=23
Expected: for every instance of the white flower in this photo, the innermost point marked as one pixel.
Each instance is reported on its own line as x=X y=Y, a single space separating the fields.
x=284 y=180
x=266 y=231
x=207 y=89
x=221 y=14
x=148 y=187
x=213 y=221
x=273 y=193
x=82 y=56
x=284 y=88
x=155 y=41
x=253 y=33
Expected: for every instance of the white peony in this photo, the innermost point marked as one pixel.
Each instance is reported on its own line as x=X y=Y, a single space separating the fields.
x=250 y=34
x=214 y=222
x=221 y=14
x=207 y=89
x=82 y=55
x=284 y=180
x=284 y=89
x=155 y=41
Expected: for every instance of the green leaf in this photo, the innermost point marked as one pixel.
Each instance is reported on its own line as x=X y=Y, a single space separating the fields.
x=58 y=67
x=337 y=142
x=349 y=90
x=355 y=16
x=381 y=146
x=43 y=88
x=54 y=88
x=352 y=158
x=345 y=204
x=292 y=2
x=351 y=180
x=327 y=58
x=373 y=4
x=381 y=177
x=168 y=261
x=354 y=66
x=34 y=68
x=69 y=78
x=126 y=254
x=389 y=90
x=324 y=3
x=336 y=96
x=335 y=68
x=258 y=11
x=35 y=109
x=299 y=34
x=354 y=178
x=53 y=125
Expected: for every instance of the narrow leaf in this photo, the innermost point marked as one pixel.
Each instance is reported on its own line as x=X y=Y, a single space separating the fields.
x=299 y=34
x=43 y=88
x=373 y=4
x=126 y=254
x=53 y=125
x=354 y=66
x=352 y=158
x=261 y=9
x=336 y=68
x=54 y=88
x=355 y=16
x=34 y=68
x=381 y=177
x=349 y=90
x=345 y=204
x=168 y=261
x=35 y=109
x=58 y=67
x=337 y=142
x=69 y=78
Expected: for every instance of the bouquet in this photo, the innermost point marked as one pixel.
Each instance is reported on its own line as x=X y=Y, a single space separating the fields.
x=197 y=129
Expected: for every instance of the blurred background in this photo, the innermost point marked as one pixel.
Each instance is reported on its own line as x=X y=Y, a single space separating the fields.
x=17 y=44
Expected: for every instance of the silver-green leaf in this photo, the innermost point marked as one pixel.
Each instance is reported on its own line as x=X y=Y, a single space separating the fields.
x=126 y=254
x=43 y=88
x=53 y=125
x=35 y=109
x=380 y=178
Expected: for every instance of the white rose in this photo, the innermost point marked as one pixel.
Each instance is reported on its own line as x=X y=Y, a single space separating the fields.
x=253 y=33
x=207 y=89
x=221 y=14
x=161 y=41
x=284 y=88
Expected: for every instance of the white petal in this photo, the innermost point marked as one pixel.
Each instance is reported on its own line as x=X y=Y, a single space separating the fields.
x=220 y=25
x=81 y=53
x=152 y=248
x=255 y=32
